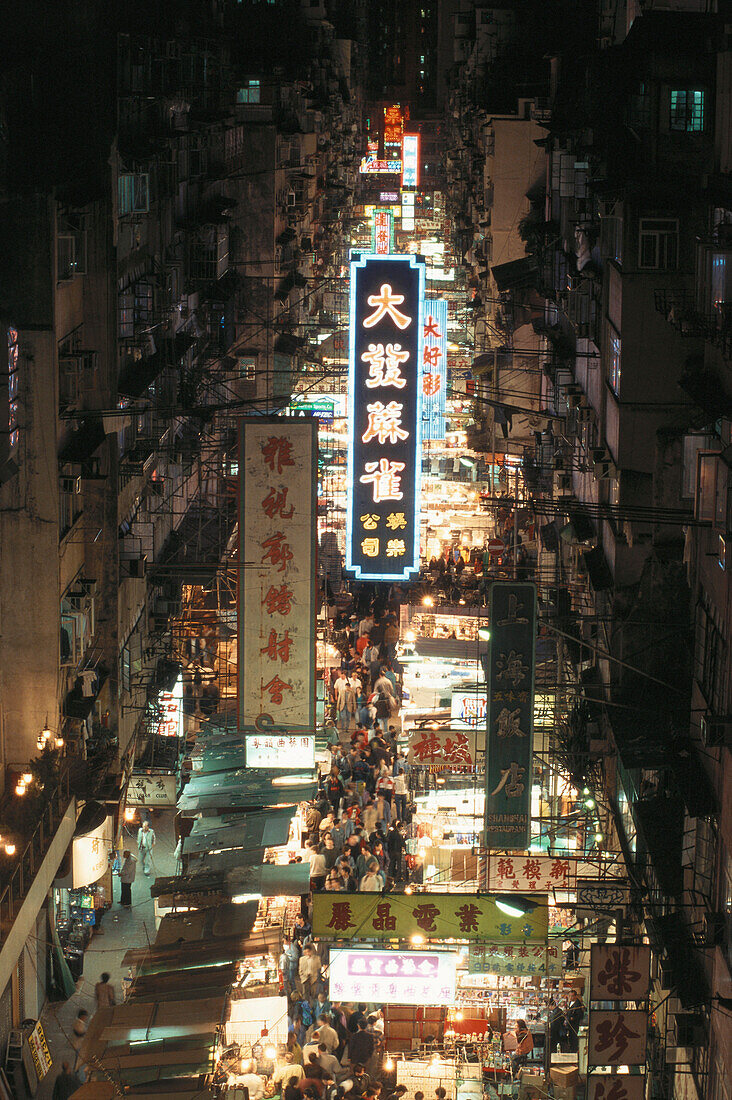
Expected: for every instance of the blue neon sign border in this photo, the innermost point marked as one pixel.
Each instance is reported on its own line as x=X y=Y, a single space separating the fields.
x=350 y=567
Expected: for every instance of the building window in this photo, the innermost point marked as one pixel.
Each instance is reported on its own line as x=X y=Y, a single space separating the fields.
x=640 y=108
x=250 y=93
x=658 y=243
x=614 y=364
x=687 y=110
x=710 y=654
x=248 y=367
x=133 y=193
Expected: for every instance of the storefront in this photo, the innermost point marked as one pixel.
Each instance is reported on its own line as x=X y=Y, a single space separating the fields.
x=82 y=896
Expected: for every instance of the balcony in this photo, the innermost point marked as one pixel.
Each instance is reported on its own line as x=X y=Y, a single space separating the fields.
x=681 y=310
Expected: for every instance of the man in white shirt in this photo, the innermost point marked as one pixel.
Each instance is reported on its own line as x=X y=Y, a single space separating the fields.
x=329 y=1062
x=328 y=1034
x=308 y=972
x=317 y=868
x=366 y=625
x=250 y=1080
x=284 y=1072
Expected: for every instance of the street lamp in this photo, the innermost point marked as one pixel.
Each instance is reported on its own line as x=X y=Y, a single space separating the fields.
x=513 y=905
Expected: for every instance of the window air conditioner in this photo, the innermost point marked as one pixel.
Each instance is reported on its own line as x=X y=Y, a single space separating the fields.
x=716 y=730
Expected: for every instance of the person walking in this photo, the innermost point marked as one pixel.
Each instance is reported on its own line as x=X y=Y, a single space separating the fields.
x=574 y=1017
x=145 y=844
x=104 y=992
x=127 y=877
x=66 y=1083
x=81 y=1023
x=400 y=795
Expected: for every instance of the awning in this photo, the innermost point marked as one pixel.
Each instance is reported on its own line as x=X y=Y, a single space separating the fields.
x=209 y=981
x=516 y=274
x=83 y=443
x=598 y=569
x=137 y=375
x=660 y=822
x=213 y=887
x=246 y=787
x=176 y=956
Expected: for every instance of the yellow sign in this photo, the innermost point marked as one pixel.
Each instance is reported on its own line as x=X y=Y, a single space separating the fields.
x=430 y=916
x=40 y=1053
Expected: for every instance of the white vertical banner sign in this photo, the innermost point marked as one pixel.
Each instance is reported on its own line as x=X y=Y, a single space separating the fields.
x=277 y=540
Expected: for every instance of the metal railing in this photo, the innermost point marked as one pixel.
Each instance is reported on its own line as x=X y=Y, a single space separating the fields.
x=32 y=856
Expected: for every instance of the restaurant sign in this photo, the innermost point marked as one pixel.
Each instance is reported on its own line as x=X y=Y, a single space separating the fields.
x=529 y=873
x=151 y=790
x=393 y=977
x=279 y=751
x=432 y=916
x=384 y=411
x=619 y=973
x=509 y=734
x=442 y=748
x=617 y=1038
x=276 y=605
x=521 y=960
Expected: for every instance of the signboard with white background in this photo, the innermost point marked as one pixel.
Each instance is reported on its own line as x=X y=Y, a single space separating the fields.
x=276 y=750
x=393 y=977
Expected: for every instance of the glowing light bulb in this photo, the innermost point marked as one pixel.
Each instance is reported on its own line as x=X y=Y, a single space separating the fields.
x=20 y=789
x=389 y=1065
x=9 y=849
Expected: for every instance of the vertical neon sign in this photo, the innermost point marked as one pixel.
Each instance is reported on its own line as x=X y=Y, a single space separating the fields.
x=384 y=394
x=434 y=369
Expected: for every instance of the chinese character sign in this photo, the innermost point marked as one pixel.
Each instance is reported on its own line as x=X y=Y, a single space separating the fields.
x=442 y=748
x=393 y=977
x=382 y=529
x=433 y=916
x=611 y=1086
x=617 y=1038
x=280 y=750
x=277 y=517
x=518 y=959
x=410 y=160
x=528 y=873
x=510 y=711
x=619 y=973
x=382 y=237
x=434 y=369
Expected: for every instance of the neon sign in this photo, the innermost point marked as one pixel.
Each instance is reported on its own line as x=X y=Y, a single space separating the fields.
x=384 y=414
x=382 y=238
x=410 y=160
x=434 y=369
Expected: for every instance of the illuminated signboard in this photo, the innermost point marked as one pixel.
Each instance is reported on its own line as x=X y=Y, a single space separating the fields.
x=382 y=237
x=274 y=750
x=408 y=210
x=434 y=369
x=410 y=160
x=510 y=714
x=388 y=196
x=393 y=125
x=393 y=977
x=384 y=414
x=467 y=708
x=370 y=165
x=277 y=534
x=170 y=711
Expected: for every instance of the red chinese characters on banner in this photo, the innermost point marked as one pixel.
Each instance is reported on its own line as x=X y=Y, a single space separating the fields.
x=443 y=748
x=617 y=1038
x=620 y=973
x=531 y=873
x=607 y=1086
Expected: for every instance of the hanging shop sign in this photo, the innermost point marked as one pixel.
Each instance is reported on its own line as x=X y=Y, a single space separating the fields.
x=408 y=211
x=388 y=196
x=324 y=406
x=442 y=748
x=382 y=235
x=384 y=415
x=601 y=895
x=433 y=916
x=410 y=160
x=617 y=1038
x=509 y=735
x=616 y=1086
x=90 y=854
x=529 y=873
x=393 y=977
x=280 y=751
x=40 y=1053
x=468 y=708
x=151 y=790
x=371 y=165
x=393 y=124
x=169 y=713
x=522 y=960
x=434 y=369
x=619 y=973
x=276 y=601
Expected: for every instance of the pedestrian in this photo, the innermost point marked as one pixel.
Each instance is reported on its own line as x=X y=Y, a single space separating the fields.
x=524 y=1046
x=334 y=788
x=556 y=1025
x=127 y=877
x=574 y=1017
x=309 y=972
x=66 y=1083
x=400 y=795
x=145 y=844
x=318 y=868
x=104 y=992
x=361 y=1045
x=81 y=1023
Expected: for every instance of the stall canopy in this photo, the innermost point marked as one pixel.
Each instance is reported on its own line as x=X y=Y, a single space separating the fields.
x=156 y=1041
x=255 y=830
x=270 y=880
x=242 y=788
